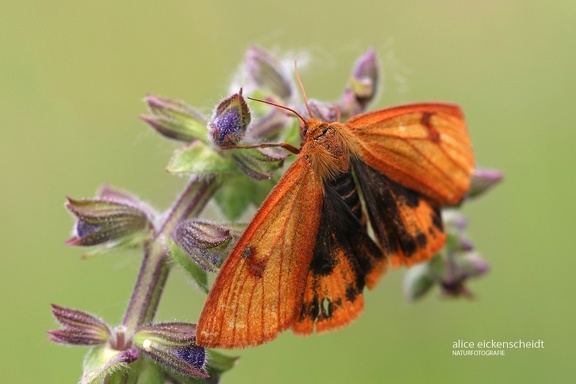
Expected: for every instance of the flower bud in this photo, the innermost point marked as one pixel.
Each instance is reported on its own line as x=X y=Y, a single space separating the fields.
x=452 y=267
x=267 y=72
x=471 y=264
x=324 y=111
x=103 y=221
x=174 y=119
x=78 y=328
x=172 y=345
x=362 y=87
x=455 y=224
x=229 y=121
x=206 y=243
x=483 y=180
x=459 y=267
x=365 y=77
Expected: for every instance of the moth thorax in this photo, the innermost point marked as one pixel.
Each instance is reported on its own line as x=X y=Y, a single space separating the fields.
x=328 y=149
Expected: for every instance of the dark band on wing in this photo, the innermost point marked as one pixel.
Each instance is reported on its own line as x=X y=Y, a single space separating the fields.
x=342 y=238
x=384 y=199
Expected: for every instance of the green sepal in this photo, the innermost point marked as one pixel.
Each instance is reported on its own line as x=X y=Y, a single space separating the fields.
x=198 y=275
x=198 y=158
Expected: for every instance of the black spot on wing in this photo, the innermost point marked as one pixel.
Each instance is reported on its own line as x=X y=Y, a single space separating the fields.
x=319 y=308
x=256 y=267
x=421 y=240
x=351 y=293
x=437 y=220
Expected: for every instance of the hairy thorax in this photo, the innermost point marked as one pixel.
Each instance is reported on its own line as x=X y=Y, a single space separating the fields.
x=328 y=147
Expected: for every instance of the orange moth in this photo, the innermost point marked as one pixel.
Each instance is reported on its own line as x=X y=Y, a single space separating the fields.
x=306 y=256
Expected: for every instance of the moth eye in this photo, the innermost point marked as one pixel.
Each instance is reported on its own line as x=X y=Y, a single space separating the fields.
x=304 y=131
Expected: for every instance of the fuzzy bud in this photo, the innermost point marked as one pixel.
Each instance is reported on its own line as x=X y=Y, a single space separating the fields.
x=267 y=72
x=174 y=119
x=206 y=243
x=172 y=345
x=78 y=328
x=229 y=121
x=103 y=221
x=484 y=180
x=364 y=81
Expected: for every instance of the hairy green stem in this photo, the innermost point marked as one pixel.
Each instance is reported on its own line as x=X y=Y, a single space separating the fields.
x=155 y=268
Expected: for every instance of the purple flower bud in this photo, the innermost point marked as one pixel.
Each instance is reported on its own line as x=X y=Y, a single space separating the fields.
x=452 y=267
x=109 y=193
x=455 y=224
x=324 y=111
x=471 y=264
x=267 y=72
x=459 y=267
x=483 y=180
x=103 y=221
x=362 y=86
x=175 y=119
x=206 y=243
x=172 y=345
x=364 y=80
x=229 y=121
x=78 y=328
x=455 y=220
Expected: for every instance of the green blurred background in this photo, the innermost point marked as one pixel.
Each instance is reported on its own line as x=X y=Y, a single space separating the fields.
x=72 y=78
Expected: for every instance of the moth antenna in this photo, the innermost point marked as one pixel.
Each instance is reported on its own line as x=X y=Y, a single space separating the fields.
x=281 y=107
x=302 y=89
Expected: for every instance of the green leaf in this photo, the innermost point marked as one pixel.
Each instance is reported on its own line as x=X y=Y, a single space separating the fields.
x=238 y=192
x=198 y=158
x=197 y=274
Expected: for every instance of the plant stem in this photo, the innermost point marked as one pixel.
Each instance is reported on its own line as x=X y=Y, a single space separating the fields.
x=155 y=268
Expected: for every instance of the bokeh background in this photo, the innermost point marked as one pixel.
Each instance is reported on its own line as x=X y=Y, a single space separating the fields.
x=72 y=78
